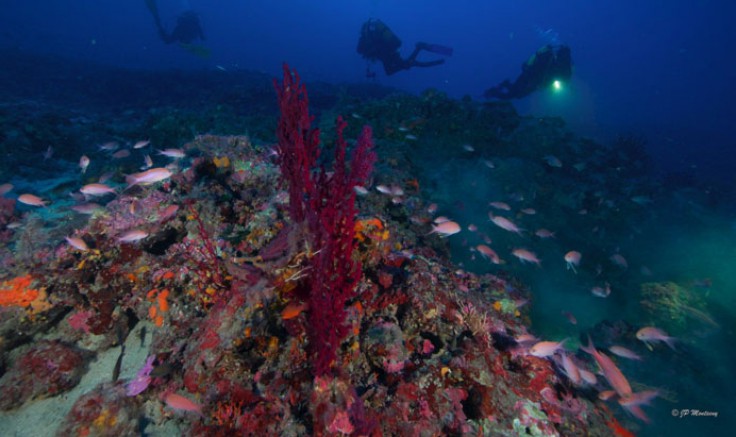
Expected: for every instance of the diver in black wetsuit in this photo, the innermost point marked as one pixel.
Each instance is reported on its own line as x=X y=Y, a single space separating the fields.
x=187 y=28
x=378 y=43
x=549 y=64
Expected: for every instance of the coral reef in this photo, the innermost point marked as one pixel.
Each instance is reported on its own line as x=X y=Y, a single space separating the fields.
x=275 y=309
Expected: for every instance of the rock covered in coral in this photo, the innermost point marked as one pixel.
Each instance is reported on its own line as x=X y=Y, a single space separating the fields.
x=105 y=411
x=47 y=369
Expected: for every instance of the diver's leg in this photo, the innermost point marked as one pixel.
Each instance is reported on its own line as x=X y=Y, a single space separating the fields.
x=411 y=59
x=427 y=63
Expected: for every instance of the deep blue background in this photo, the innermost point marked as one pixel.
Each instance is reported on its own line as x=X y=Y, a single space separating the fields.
x=661 y=68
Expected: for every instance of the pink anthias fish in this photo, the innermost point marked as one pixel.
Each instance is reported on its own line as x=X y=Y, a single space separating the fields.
x=77 y=243
x=588 y=377
x=48 y=153
x=132 y=236
x=613 y=375
x=109 y=146
x=84 y=163
x=572 y=258
x=650 y=334
x=553 y=161
x=603 y=292
x=120 y=154
x=633 y=403
x=141 y=144
x=32 y=200
x=179 y=402
x=168 y=212
x=544 y=349
x=5 y=189
x=393 y=190
x=624 y=353
x=488 y=253
x=544 y=233
x=445 y=229
x=173 y=153
x=504 y=223
x=619 y=260
x=526 y=338
x=503 y=206
x=570 y=317
x=87 y=208
x=525 y=255
x=96 y=190
x=148 y=177
x=147 y=162
x=571 y=369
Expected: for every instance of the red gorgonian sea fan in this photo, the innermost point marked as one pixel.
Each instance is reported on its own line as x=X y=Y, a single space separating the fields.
x=325 y=201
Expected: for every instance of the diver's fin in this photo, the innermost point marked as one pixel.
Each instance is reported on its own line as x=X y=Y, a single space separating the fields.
x=439 y=49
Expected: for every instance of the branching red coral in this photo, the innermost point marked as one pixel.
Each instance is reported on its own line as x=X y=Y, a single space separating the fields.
x=326 y=201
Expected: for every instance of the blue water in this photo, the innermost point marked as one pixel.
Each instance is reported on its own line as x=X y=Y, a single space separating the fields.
x=660 y=71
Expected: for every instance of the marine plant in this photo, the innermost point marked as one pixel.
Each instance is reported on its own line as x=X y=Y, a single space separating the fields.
x=323 y=202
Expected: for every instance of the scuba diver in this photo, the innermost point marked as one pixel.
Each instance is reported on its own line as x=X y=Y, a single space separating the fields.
x=378 y=43
x=549 y=64
x=187 y=28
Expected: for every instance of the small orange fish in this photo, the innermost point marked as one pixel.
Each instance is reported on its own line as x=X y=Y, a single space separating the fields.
x=624 y=353
x=446 y=229
x=588 y=377
x=572 y=258
x=179 y=402
x=526 y=255
x=172 y=153
x=141 y=144
x=650 y=334
x=504 y=223
x=5 y=188
x=30 y=199
x=120 y=154
x=84 y=163
x=601 y=291
x=132 y=236
x=488 y=253
x=546 y=348
x=77 y=243
x=571 y=369
x=293 y=310
x=503 y=206
x=96 y=190
x=148 y=177
x=613 y=375
x=619 y=260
